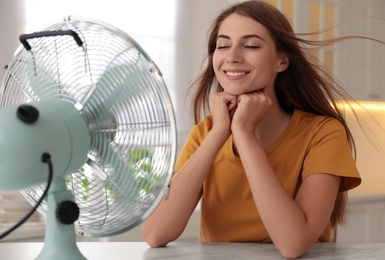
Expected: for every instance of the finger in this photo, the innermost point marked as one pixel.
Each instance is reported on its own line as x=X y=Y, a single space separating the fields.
x=228 y=99
x=232 y=111
x=233 y=103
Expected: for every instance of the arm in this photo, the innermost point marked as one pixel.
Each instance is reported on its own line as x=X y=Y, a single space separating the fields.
x=294 y=225
x=168 y=221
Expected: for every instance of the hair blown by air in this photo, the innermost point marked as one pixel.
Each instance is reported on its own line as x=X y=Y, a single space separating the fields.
x=304 y=85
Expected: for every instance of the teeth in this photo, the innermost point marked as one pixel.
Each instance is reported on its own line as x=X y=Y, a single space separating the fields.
x=233 y=74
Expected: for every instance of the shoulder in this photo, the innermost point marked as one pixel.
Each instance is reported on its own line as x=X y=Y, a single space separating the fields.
x=199 y=131
x=319 y=124
x=310 y=131
x=327 y=140
x=316 y=120
x=207 y=122
x=203 y=127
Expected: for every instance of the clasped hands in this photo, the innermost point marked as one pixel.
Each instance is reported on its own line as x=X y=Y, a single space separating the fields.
x=239 y=113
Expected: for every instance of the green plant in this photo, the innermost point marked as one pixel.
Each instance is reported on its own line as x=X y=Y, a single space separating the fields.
x=142 y=168
x=139 y=164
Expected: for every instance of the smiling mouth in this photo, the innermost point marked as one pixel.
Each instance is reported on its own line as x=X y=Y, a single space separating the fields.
x=235 y=73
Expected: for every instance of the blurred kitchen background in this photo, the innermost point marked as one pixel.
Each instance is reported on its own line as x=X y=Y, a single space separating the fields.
x=173 y=32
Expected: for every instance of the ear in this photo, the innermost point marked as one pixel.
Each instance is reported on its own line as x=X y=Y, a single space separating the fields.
x=283 y=64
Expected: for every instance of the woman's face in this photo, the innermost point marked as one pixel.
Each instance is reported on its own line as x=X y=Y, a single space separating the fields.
x=245 y=58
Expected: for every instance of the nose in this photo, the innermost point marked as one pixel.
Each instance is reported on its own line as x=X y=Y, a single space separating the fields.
x=234 y=55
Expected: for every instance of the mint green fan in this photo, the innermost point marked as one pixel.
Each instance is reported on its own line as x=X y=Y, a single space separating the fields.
x=87 y=96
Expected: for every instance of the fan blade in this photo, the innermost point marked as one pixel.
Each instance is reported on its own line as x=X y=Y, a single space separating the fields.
x=121 y=84
x=117 y=172
x=40 y=81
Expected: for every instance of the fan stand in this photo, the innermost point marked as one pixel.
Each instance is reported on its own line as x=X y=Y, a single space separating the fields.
x=59 y=240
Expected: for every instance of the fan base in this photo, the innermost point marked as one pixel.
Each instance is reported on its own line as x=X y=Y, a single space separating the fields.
x=65 y=253
x=60 y=239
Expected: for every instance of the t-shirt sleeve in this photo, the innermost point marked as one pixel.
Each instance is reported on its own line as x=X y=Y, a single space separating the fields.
x=329 y=152
x=193 y=141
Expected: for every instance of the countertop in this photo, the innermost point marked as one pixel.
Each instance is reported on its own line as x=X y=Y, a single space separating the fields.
x=200 y=251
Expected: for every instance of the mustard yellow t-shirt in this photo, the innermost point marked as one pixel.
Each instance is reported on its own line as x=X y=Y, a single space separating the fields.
x=310 y=144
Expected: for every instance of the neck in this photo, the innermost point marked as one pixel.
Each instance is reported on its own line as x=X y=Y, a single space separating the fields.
x=272 y=126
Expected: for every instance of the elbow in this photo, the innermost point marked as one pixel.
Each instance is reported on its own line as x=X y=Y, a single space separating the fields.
x=293 y=249
x=291 y=254
x=155 y=239
x=153 y=243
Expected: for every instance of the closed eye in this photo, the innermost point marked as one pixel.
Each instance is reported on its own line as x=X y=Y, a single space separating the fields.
x=222 y=47
x=252 y=46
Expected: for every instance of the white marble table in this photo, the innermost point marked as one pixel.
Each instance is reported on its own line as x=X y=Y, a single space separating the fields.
x=199 y=251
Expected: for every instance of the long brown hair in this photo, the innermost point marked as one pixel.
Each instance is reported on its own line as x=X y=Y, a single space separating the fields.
x=304 y=85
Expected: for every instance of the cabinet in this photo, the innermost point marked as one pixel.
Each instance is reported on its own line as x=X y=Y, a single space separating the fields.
x=365 y=220
x=358 y=63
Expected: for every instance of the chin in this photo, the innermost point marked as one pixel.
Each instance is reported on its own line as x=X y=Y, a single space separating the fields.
x=235 y=92
x=239 y=92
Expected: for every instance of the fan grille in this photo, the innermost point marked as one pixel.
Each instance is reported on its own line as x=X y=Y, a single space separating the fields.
x=121 y=95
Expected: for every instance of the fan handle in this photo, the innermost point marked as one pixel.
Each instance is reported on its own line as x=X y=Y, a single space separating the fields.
x=24 y=37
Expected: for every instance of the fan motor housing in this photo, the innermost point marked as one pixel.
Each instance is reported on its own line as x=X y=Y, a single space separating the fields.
x=59 y=130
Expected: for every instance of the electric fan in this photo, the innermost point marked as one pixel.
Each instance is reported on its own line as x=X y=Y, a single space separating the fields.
x=83 y=97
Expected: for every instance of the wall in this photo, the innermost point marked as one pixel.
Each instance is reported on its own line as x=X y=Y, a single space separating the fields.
x=12 y=24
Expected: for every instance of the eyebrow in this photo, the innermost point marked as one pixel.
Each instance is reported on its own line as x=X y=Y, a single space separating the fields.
x=243 y=37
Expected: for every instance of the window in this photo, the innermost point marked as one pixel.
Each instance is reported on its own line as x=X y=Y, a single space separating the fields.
x=143 y=20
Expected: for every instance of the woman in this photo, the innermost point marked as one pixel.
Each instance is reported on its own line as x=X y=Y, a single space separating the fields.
x=273 y=160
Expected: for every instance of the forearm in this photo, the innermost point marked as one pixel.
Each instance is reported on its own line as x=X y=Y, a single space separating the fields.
x=288 y=223
x=171 y=217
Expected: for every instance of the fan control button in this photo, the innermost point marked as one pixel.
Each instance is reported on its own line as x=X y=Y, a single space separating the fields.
x=67 y=212
x=28 y=114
